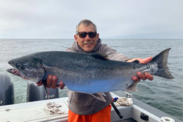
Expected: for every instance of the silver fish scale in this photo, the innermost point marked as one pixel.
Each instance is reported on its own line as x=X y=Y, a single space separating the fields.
x=88 y=74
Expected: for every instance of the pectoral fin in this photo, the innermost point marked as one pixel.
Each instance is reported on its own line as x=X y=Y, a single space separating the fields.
x=44 y=85
x=99 y=96
x=132 y=87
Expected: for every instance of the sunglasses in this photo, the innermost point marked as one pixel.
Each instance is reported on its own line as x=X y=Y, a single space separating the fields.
x=83 y=34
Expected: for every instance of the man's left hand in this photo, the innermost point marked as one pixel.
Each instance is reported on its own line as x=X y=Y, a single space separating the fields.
x=140 y=75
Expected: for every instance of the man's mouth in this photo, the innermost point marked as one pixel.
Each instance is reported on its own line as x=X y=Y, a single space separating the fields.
x=88 y=43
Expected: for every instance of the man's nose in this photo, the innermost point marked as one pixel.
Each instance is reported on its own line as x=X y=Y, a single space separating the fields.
x=87 y=37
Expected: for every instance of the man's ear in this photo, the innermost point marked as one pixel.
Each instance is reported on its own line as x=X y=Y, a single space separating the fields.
x=76 y=38
x=97 y=35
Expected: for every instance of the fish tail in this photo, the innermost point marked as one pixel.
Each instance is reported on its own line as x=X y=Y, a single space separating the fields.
x=161 y=59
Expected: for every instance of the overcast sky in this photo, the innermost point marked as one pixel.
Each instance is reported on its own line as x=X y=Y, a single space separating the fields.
x=115 y=19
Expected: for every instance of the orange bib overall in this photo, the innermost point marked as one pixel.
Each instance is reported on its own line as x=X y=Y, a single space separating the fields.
x=103 y=115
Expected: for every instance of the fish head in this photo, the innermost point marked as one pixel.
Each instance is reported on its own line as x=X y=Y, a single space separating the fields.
x=28 y=67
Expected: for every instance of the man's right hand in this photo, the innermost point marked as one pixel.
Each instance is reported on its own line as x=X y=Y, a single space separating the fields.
x=52 y=82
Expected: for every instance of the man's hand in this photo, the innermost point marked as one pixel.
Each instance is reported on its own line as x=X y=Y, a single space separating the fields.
x=139 y=74
x=52 y=82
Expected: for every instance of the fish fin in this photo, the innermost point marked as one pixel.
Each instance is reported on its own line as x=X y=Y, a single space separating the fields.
x=100 y=56
x=132 y=87
x=161 y=59
x=103 y=94
x=99 y=96
x=44 y=84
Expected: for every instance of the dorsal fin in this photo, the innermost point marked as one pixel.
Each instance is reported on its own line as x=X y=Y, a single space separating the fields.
x=100 y=56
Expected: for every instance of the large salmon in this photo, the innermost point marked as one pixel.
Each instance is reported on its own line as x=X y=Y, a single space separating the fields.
x=88 y=73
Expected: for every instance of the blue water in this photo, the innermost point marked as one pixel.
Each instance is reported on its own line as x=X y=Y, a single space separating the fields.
x=163 y=94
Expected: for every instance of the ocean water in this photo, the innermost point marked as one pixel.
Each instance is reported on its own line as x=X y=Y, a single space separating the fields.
x=163 y=94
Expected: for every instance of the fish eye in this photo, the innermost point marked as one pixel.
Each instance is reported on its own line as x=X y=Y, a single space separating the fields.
x=19 y=66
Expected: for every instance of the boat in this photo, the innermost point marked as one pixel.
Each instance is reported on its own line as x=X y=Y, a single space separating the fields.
x=33 y=110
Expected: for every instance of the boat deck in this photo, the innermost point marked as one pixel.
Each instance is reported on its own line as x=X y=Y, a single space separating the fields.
x=34 y=112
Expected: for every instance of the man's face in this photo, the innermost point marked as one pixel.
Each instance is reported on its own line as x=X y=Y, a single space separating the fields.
x=87 y=43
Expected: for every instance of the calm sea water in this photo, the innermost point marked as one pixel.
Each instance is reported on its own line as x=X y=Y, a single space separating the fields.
x=165 y=95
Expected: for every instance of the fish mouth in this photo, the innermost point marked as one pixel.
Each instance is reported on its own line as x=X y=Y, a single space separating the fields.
x=17 y=73
x=14 y=72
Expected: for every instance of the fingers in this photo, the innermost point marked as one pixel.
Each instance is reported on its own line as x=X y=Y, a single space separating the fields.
x=136 y=79
x=142 y=61
x=148 y=76
x=142 y=76
x=54 y=82
x=61 y=85
x=146 y=60
x=49 y=81
x=131 y=60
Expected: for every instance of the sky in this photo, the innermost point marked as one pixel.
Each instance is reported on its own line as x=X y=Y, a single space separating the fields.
x=115 y=19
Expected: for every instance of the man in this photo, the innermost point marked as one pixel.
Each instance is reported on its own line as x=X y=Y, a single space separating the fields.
x=84 y=107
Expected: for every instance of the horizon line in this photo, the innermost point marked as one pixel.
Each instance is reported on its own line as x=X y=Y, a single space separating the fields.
x=104 y=38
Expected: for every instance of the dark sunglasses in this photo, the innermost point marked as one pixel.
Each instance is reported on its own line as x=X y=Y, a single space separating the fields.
x=83 y=34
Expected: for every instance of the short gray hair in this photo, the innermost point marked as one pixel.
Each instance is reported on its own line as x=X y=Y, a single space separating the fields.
x=86 y=23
